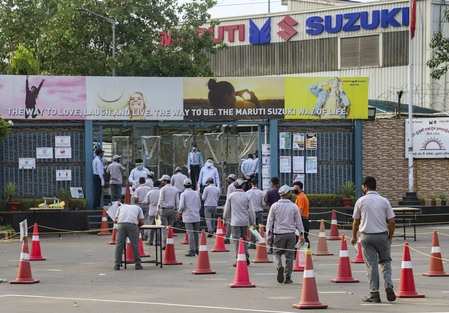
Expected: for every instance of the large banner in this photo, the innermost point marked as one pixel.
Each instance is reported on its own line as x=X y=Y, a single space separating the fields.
x=42 y=97
x=195 y=99
x=430 y=138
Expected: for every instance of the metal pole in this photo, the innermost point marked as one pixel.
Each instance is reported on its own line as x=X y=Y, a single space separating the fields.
x=269 y=6
x=113 y=47
x=411 y=184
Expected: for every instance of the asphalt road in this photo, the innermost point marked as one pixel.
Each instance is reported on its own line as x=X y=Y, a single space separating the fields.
x=78 y=277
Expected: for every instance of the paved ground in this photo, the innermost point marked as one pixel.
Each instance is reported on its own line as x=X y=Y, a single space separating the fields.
x=78 y=277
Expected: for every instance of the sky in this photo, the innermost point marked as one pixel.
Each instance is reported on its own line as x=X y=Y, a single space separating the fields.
x=228 y=8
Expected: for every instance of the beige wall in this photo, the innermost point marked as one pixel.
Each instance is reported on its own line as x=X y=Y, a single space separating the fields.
x=384 y=158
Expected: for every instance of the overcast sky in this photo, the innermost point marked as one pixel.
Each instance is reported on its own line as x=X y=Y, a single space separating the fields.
x=226 y=8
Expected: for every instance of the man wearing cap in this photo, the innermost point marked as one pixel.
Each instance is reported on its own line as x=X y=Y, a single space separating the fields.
x=208 y=171
x=177 y=180
x=282 y=224
x=239 y=213
x=139 y=171
x=211 y=195
x=128 y=219
x=168 y=204
x=152 y=199
x=189 y=207
x=98 y=172
x=115 y=171
x=374 y=219
x=194 y=164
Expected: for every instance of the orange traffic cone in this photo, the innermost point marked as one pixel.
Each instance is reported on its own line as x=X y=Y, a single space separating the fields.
x=114 y=235
x=344 y=273
x=299 y=261
x=170 y=256
x=309 y=293
x=359 y=257
x=241 y=277
x=127 y=195
x=185 y=241
x=322 y=249
x=140 y=247
x=220 y=238
x=129 y=252
x=36 y=254
x=261 y=248
x=334 y=235
x=203 y=264
x=436 y=268
x=24 y=275
x=406 y=279
x=104 y=227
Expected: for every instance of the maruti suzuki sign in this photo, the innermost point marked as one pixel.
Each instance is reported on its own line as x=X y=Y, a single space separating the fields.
x=356 y=21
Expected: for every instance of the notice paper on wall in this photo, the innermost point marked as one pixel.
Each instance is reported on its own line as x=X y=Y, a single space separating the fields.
x=76 y=192
x=44 y=153
x=63 y=153
x=298 y=141
x=62 y=141
x=284 y=140
x=311 y=165
x=63 y=175
x=285 y=165
x=298 y=164
x=27 y=163
x=311 y=141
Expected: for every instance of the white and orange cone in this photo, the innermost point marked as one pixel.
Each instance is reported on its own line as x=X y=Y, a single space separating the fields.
x=241 y=277
x=299 y=261
x=141 y=248
x=436 y=268
x=358 y=259
x=334 y=235
x=406 y=280
x=261 y=249
x=114 y=235
x=104 y=226
x=220 y=238
x=24 y=275
x=322 y=249
x=203 y=264
x=170 y=255
x=344 y=273
x=36 y=253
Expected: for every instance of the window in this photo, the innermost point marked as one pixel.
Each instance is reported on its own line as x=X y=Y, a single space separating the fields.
x=359 y=51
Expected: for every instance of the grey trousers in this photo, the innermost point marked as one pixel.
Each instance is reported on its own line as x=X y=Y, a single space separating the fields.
x=237 y=233
x=284 y=244
x=126 y=230
x=259 y=218
x=168 y=217
x=193 y=233
x=209 y=214
x=116 y=192
x=376 y=249
x=150 y=234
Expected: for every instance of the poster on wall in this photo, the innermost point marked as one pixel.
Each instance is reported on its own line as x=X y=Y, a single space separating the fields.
x=298 y=164
x=284 y=140
x=44 y=153
x=62 y=141
x=311 y=165
x=63 y=175
x=285 y=165
x=430 y=138
x=63 y=153
x=77 y=192
x=266 y=183
x=311 y=141
x=266 y=148
x=42 y=97
x=27 y=163
x=298 y=141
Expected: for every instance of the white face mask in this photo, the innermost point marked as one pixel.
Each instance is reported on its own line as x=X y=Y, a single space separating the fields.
x=209 y=164
x=140 y=167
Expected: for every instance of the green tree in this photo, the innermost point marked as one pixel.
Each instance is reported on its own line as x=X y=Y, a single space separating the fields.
x=23 y=62
x=67 y=39
x=5 y=127
x=439 y=63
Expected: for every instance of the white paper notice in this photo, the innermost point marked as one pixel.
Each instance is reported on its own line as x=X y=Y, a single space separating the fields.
x=265 y=149
x=27 y=163
x=265 y=160
x=44 y=153
x=298 y=141
x=76 y=192
x=63 y=153
x=266 y=183
x=62 y=141
x=298 y=164
x=311 y=165
x=266 y=171
x=63 y=175
x=285 y=164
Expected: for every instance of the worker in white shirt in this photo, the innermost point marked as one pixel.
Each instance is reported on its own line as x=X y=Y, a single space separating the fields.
x=256 y=201
x=189 y=207
x=240 y=215
x=256 y=166
x=140 y=195
x=208 y=171
x=98 y=172
x=167 y=204
x=177 y=180
x=115 y=171
x=150 y=179
x=230 y=189
x=283 y=222
x=128 y=219
x=211 y=195
x=139 y=171
x=194 y=164
x=247 y=167
x=152 y=199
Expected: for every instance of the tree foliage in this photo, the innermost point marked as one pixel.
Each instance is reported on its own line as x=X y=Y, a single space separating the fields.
x=439 y=63
x=67 y=39
x=23 y=62
x=5 y=127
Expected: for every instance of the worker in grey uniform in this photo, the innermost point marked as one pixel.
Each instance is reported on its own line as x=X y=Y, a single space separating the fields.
x=152 y=199
x=140 y=194
x=189 y=208
x=256 y=201
x=211 y=195
x=230 y=189
x=240 y=215
x=177 y=180
x=115 y=171
x=283 y=222
x=167 y=205
x=128 y=219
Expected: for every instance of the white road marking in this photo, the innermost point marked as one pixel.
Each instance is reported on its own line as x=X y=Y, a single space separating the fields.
x=144 y=303
x=101 y=274
x=336 y=292
x=373 y=304
x=280 y=298
x=54 y=270
x=264 y=274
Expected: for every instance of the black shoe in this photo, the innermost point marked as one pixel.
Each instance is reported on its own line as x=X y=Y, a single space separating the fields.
x=190 y=254
x=288 y=281
x=227 y=241
x=280 y=276
x=248 y=262
x=391 y=296
x=210 y=235
x=116 y=267
x=373 y=298
x=138 y=267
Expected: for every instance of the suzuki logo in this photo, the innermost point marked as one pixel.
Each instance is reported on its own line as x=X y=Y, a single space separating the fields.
x=287 y=29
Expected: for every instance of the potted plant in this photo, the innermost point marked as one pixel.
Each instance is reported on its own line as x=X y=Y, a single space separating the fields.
x=427 y=201
x=443 y=198
x=348 y=193
x=437 y=201
x=10 y=192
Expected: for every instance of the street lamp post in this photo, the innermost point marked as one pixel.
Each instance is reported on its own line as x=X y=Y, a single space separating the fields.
x=113 y=24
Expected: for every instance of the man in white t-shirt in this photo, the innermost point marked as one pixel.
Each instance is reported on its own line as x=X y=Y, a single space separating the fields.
x=374 y=219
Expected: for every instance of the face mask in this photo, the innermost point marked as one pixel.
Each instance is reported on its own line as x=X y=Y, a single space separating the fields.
x=140 y=167
x=209 y=164
x=194 y=149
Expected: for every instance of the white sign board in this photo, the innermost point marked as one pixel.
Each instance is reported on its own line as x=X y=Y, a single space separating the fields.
x=23 y=226
x=27 y=163
x=430 y=138
x=62 y=141
x=44 y=153
x=77 y=192
x=63 y=153
x=63 y=175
